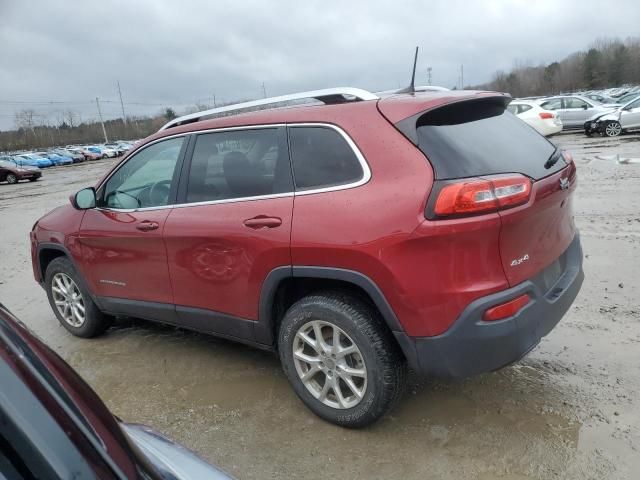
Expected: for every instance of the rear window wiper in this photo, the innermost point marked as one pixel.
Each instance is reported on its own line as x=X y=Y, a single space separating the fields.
x=553 y=159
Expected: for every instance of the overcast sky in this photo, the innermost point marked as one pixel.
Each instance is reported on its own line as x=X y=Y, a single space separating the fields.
x=180 y=52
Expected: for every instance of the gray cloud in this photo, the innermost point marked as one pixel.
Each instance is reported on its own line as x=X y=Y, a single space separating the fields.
x=177 y=53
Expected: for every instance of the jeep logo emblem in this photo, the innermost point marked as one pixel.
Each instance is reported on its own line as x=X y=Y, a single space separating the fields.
x=564 y=183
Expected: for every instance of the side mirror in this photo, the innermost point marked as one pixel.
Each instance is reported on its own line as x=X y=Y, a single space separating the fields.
x=585 y=106
x=84 y=199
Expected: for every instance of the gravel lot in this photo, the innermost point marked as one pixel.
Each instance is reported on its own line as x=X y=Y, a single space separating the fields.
x=570 y=409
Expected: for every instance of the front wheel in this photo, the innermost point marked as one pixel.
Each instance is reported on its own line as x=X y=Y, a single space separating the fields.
x=71 y=302
x=613 y=129
x=33 y=179
x=340 y=358
x=11 y=178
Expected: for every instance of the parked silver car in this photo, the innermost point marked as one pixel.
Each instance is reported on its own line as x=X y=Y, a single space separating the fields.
x=615 y=122
x=574 y=110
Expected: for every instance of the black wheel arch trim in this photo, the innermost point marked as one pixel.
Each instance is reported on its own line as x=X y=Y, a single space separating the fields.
x=264 y=328
x=61 y=248
x=50 y=246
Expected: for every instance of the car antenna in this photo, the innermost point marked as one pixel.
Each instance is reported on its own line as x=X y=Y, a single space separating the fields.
x=411 y=88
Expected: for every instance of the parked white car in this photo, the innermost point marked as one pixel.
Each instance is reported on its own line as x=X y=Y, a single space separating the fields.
x=544 y=121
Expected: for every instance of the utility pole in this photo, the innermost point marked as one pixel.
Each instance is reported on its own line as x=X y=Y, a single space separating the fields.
x=461 y=77
x=428 y=75
x=104 y=130
x=124 y=117
x=215 y=105
x=264 y=91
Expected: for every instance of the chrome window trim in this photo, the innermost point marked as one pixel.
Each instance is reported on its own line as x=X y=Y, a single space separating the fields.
x=366 y=171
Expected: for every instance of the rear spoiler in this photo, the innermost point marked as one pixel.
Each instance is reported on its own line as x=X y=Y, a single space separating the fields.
x=437 y=115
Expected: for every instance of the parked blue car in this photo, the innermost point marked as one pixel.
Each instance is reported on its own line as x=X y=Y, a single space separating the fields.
x=56 y=159
x=33 y=160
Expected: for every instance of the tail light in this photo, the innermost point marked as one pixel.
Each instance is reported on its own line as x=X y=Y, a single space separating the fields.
x=546 y=115
x=472 y=196
x=507 y=309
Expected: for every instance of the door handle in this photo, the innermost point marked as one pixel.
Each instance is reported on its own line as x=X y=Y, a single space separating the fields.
x=147 y=226
x=263 y=221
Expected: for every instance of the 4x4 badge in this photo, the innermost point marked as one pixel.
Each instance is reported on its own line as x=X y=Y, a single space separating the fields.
x=564 y=183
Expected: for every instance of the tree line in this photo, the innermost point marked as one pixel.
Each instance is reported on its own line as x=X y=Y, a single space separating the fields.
x=606 y=63
x=30 y=136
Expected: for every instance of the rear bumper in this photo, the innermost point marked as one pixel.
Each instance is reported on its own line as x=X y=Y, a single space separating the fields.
x=472 y=346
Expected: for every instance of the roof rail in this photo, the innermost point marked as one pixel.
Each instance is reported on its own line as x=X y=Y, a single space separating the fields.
x=327 y=96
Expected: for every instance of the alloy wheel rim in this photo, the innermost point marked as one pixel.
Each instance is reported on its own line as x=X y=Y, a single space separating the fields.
x=11 y=178
x=613 y=129
x=68 y=299
x=330 y=364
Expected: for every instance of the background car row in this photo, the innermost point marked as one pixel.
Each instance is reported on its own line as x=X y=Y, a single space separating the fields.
x=594 y=111
x=16 y=166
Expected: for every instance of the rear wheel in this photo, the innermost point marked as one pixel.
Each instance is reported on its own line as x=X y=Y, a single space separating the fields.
x=11 y=178
x=340 y=359
x=71 y=302
x=612 y=129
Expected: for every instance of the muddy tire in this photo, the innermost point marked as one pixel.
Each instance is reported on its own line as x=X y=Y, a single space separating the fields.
x=612 y=129
x=71 y=302
x=340 y=358
x=11 y=179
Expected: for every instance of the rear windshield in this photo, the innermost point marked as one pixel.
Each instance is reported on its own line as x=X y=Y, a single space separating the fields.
x=480 y=137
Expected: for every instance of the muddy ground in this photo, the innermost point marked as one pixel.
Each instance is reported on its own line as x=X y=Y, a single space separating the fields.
x=570 y=409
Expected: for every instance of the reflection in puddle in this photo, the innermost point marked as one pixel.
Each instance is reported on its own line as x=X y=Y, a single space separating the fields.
x=620 y=159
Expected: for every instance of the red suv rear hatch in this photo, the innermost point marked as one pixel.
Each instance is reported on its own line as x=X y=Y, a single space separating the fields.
x=487 y=160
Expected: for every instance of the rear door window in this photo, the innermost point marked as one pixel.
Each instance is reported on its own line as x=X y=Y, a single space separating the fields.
x=322 y=158
x=572 y=102
x=480 y=137
x=554 y=104
x=239 y=164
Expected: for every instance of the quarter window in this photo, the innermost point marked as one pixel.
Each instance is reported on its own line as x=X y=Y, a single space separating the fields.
x=238 y=164
x=146 y=179
x=322 y=158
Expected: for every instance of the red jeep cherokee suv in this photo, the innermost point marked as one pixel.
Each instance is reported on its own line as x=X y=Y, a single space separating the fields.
x=354 y=234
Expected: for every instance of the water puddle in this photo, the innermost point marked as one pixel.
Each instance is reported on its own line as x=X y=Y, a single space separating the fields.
x=619 y=159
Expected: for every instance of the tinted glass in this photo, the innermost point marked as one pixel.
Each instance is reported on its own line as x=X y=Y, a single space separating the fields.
x=475 y=138
x=238 y=164
x=145 y=180
x=524 y=108
x=321 y=157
